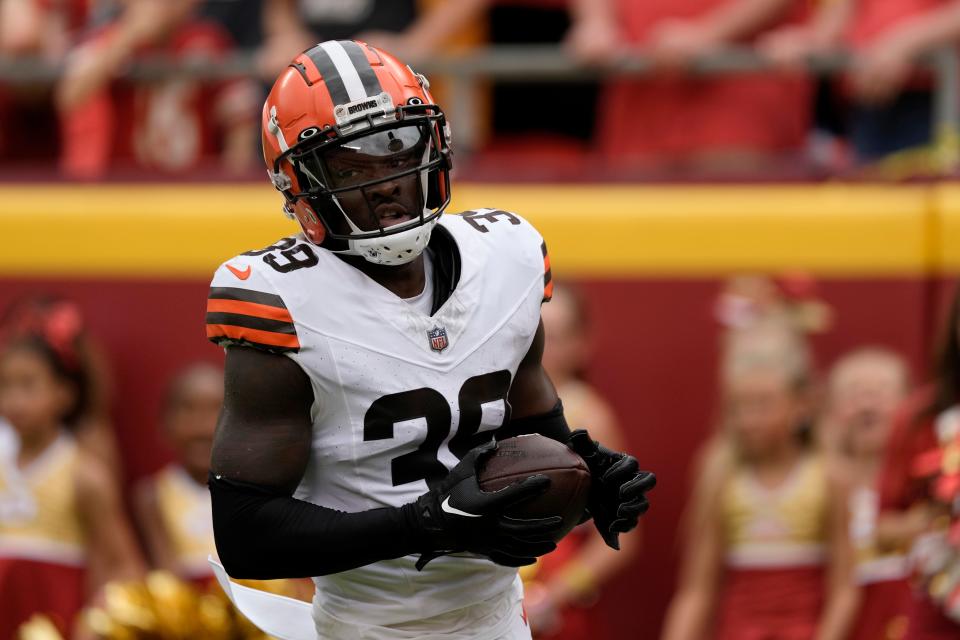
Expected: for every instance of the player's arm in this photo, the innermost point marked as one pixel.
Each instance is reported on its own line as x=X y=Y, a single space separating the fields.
x=533 y=395
x=618 y=488
x=433 y=28
x=260 y=453
x=93 y=64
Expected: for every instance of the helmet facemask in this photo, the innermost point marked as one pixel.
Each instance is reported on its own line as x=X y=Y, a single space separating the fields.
x=379 y=188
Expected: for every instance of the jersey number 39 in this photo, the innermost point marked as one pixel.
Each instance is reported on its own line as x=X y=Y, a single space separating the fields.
x=432 y=406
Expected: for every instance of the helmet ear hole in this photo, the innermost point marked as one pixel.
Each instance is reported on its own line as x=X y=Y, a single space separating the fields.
x=310 y=222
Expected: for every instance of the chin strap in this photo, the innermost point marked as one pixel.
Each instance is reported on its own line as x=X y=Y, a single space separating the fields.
x=393 y=249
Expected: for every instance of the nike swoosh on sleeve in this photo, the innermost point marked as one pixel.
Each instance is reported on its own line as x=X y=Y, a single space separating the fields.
x=242 y=274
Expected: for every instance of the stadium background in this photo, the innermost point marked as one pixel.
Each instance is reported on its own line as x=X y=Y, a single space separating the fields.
x=651 y=246
x=650 y=259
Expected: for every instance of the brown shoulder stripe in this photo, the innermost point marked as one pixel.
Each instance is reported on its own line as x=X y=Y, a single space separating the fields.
x=252 y=322
x=547 y=275
x=246 y=295
x=268 y=312
x=266 y=340
x=254 y=318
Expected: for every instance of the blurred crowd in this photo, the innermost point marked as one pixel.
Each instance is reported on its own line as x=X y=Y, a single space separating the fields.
x=93 y=120
x=825 y=504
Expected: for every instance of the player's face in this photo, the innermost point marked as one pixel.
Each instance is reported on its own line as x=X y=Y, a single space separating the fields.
x=378 y=157
x=32 y=397
x=762 y=410
x=192 y=420
x=862 y=403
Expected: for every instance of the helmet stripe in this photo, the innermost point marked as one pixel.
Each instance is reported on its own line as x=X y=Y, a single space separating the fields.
x=371 y=84
x=346 y=70
x=330 y=75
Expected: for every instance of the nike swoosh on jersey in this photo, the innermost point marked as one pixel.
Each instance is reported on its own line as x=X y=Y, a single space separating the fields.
x=242 y=274
x=445 y=505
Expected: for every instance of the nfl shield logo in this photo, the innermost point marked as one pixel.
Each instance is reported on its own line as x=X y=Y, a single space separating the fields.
x=438 y=339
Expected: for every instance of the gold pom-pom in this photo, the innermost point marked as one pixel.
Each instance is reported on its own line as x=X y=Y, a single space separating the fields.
x=38 y=627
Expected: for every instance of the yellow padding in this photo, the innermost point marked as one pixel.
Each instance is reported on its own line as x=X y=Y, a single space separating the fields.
x=591 y=230
x=690 y=230
x=947 y=229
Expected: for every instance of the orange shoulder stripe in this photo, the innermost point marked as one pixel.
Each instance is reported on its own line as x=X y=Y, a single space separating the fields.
x=270 y=338
x=547 y=274
x=548 y=291
x=216 y=305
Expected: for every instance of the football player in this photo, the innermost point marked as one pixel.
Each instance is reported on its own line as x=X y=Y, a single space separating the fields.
x=373 y=360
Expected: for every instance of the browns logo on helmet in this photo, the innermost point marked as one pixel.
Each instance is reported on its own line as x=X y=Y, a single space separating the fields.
x=353 y=141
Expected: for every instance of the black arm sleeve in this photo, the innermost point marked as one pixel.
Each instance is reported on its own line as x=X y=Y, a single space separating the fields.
x=261 y=534
x=551 y=424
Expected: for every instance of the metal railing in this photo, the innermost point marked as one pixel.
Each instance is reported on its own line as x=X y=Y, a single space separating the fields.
x=518 y=63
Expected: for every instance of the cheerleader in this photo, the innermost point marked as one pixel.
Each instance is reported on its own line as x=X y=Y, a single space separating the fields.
x=173 y=506
x=920 y=492
x=62 y=529
x=863 y=391
x=767 y=553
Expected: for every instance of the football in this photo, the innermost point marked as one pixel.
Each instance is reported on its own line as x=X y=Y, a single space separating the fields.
x=517 y=458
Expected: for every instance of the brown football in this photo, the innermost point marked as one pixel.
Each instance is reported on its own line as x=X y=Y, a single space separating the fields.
x=523 y=456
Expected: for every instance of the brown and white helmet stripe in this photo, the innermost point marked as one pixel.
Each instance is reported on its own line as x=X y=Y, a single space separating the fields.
x=345 y=70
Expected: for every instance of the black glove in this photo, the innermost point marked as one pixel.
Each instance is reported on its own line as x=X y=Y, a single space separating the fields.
x=617 y=487
x=459 y=516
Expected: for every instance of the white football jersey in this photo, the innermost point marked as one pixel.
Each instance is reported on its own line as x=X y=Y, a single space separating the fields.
x=400 y=396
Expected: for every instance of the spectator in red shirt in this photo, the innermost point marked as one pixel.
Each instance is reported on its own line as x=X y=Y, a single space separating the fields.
x=892 y=103
x=912 y=507
x=174 y=125
x=669 y=119
x=674 y=117
x=290 y=26
x=41 y=29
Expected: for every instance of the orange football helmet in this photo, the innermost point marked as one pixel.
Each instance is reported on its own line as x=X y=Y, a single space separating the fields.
x=344 y=124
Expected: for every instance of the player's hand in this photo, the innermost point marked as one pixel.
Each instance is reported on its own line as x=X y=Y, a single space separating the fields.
x=617 y=487
x=459 y=516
